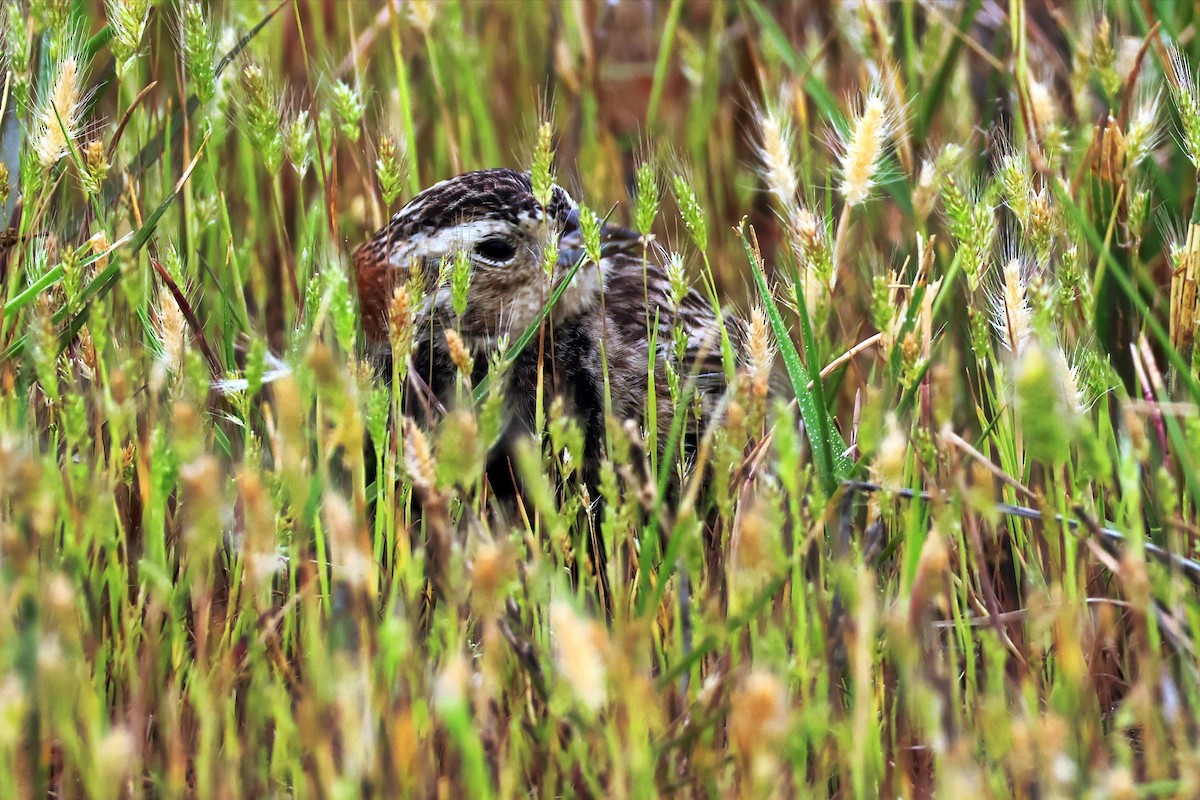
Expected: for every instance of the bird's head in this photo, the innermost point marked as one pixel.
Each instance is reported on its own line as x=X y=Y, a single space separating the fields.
x=492 y=218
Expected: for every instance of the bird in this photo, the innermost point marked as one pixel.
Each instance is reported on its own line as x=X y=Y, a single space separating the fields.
x=600 y=332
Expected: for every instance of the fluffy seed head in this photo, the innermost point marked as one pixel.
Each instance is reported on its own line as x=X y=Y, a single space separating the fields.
x=1011 y=314
x=893 y=452
x=261 y=113
x=492 y=566
x=1041 y=103
x=775 y=155
x=870 y=130
x=350 y=107
x=1143 y=134
x=450 y=685
x=1068 y=376
x=1045 y=411
x=578 y=654
x=114 y=755
x=401 y=321
x=262 y=559
x=760 y=350
x=60 y=112
x=758 y=714
x=172 y=330
x=810 y=245
x=422 y=14
x=418 y=455
x=925 y=192
x=459 y=353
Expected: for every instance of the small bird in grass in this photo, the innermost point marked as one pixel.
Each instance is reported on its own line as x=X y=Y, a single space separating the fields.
x=599 y=332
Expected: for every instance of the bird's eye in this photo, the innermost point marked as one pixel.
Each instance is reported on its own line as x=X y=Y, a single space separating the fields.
x=495 y=250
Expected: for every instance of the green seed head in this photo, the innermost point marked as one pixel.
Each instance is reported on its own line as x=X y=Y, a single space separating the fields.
x=648 y=199
x=692 y=213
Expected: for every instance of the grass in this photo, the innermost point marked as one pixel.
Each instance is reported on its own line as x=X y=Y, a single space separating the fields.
x=955 y=557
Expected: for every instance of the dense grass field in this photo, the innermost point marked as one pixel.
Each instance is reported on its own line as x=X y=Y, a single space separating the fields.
x=954 y=559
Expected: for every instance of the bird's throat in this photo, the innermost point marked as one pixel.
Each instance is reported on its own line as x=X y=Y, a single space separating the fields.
x=581 y=296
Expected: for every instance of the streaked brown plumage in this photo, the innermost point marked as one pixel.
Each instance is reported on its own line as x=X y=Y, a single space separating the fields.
x=603 y=315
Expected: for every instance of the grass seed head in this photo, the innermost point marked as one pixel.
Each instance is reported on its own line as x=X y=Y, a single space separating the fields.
x=648 y=199
x=418 y=455
x=171 y=327
x=14 y=703
x=760 y=348
x=1187 y=101
x=542 y=171
x=262 y=115
x=1042 y=105
x=928 y=580
x=450 y=686
x=1185 y=290
x=589 y=227
x=755 y=545
x=1015 y=179
x=350 y=564
x=758 y=716
x=460 y=282
x=17 y=41
x=677 y=276
x=1144 y=130
x=422 y=14
x=199 y=49
x=460 y=355
x=391 y=168
x=127 y=20
x=58 y=601
x=262 y=559
x=492 y=566
x=460 y=455
x=1011 y=314
x=691 y=211
x=297 y=142
x=401 y=322
x=892 y=456
x=862 y=150
x=349 y=106
x=925 y=192
x=579 y=650
x=95 y=167
x=775 y=149
x=59 y=113
x=114 y=756
x=811 y=247
x=1044 y=410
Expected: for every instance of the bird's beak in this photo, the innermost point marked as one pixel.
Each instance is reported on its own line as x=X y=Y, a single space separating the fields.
x=614 y=239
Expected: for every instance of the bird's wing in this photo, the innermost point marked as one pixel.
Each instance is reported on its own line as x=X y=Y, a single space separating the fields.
x=638 y=302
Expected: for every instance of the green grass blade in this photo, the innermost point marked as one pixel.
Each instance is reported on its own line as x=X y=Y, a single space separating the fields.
x=828 y=447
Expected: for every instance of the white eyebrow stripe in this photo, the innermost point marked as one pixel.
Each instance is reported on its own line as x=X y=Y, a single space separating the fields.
x=444 y=241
